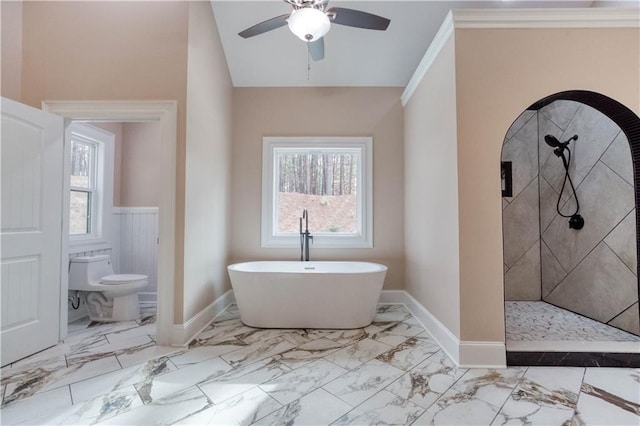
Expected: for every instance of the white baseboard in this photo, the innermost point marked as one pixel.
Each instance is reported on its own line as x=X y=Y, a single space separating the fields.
x=183 y=334
x=463 y=353
x=393 y=296
x=441 y=334
x=482 y=355
x=148 y=298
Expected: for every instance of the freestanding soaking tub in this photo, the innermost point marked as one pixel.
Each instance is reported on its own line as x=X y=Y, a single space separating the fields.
x=281 y=294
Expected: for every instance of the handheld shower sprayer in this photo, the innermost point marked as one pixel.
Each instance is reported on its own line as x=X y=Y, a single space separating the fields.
x=576 y=221
x=553 y=142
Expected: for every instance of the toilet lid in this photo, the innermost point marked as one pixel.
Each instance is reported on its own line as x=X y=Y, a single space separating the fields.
x=123 y=278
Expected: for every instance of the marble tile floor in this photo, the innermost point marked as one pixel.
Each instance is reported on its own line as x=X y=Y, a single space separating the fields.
x=540 y=321
x=390 y=372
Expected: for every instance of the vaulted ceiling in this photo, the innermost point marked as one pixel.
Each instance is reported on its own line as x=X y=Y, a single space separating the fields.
x=353 y=56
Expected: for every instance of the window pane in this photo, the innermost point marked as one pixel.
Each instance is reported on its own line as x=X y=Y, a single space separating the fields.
x=324 y=183
x=82 y=164
x=79 y=220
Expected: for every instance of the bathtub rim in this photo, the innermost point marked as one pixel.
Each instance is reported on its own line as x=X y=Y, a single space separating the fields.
x=379 y=267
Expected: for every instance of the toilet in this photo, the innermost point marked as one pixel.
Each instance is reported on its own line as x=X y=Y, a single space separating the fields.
x=109 y=297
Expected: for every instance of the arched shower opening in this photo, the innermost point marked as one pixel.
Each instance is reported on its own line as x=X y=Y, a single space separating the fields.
x=571 y=184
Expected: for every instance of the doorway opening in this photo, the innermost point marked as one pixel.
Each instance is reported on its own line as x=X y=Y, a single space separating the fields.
x=571 y=292
x=164 y=113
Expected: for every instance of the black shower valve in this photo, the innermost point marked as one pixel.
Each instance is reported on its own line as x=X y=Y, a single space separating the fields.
x=576 y=222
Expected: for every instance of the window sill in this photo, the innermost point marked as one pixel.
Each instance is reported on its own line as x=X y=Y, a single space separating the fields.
x=319 y=241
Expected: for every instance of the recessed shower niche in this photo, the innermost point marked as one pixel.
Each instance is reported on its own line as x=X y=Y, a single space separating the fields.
x=570 y=234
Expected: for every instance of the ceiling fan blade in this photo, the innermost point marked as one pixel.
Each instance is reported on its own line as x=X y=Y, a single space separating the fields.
x=316 y=49
x=263 y=27
x=358 y=19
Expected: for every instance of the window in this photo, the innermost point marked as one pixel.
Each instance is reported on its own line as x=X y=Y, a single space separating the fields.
x=83 y=186
x=90 y=186
x=331 y=178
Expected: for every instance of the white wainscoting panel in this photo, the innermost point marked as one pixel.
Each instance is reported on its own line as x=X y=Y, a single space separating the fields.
x=135 y=245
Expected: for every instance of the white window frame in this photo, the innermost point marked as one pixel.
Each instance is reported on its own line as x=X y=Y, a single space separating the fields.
x=102 y=193
x=92 y=191
x=364 y=216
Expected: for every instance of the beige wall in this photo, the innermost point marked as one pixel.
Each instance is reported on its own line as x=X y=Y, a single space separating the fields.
x=140 y=175
x=136 y=156
x=106 y=50
x=375 y=112
x=111 y=50
x=499 y=73
x=11 y=24
x=208 y=163
x=431 y=192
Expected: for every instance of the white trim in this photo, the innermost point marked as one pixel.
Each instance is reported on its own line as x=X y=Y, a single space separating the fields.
x=441 y=334
x=111 y=110
x=442 y=36
x=165 y=113
x=482 y=355
x=183 y=334
x=124 y=210
x=364 y=239
x=393 y=297
x=465 y=354
x=102 y=204
x=602 y=17
x=148 y=298
x=566 y=346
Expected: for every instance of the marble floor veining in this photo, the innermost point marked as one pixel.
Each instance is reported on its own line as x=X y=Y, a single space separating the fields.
x=390 y=372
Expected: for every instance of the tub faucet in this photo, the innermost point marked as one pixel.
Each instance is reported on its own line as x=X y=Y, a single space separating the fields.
x=305 y=237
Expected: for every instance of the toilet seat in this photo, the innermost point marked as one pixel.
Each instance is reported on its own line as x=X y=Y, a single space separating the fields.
x=117 y=279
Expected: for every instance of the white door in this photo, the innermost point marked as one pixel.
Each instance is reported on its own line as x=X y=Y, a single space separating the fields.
x=31 y=229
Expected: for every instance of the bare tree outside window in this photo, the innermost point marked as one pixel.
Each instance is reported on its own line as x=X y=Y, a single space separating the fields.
x=325 y=183
x=82 y=186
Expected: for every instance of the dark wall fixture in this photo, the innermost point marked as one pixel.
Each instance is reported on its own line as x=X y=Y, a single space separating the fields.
x=507 y=179
x=575 y=220
x=628 y=122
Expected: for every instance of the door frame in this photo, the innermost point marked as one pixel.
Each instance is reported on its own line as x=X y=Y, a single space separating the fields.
x=166 y=114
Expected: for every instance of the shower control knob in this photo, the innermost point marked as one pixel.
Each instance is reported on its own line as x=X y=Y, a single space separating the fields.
x=576 y=222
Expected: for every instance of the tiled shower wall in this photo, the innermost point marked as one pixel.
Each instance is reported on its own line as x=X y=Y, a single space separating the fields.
x=591 y=271
x=521 y=212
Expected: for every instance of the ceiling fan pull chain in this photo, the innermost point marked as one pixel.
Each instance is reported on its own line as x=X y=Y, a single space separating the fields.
x=308 y=65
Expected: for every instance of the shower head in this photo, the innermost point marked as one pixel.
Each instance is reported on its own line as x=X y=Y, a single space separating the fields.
x=552 y=141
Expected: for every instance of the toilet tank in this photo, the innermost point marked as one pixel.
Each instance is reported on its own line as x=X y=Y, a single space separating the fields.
x=86 y=269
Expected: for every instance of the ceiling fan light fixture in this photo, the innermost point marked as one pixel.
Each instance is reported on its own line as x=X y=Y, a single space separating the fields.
x=309 y=24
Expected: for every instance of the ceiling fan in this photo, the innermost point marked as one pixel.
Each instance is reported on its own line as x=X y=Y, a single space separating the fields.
x=310 y=20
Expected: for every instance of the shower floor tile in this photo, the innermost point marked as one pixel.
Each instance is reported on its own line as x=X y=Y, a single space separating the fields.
x=390 y=372
x=540 y=321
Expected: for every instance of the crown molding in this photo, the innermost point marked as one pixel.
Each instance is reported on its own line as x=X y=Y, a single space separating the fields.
x=601 y=17
x=444 y=33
